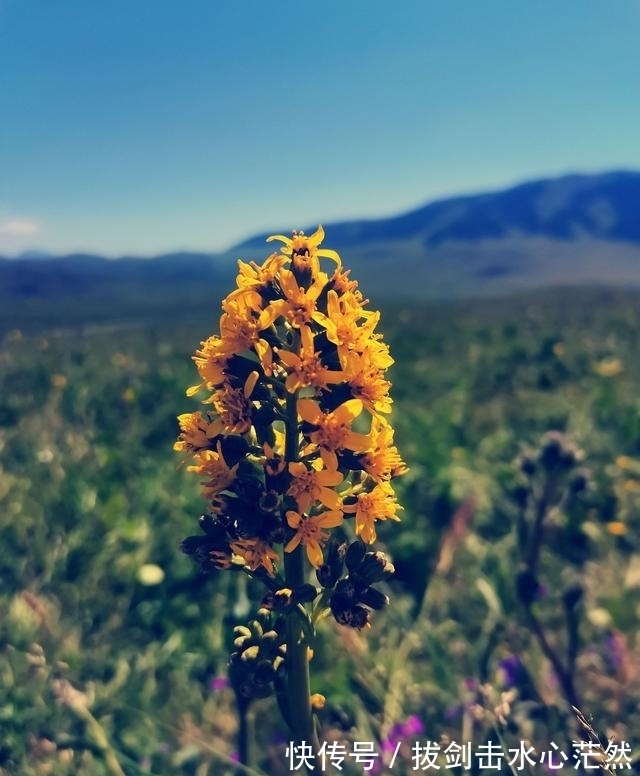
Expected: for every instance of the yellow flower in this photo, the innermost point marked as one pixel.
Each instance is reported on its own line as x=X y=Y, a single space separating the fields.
x=234 y=407
x=367 y=381
x=211 y=464
x=379 y=504
x=193 y=432
x=299 y=303
x=211 y=362
x=256 y=553
x=608 y=367
x=309 y=532
x=382 y=461
x=254 y=277
x=352 y=327
x=333 y=429
x=311 y=485
x=307 y=368
x=304 y=251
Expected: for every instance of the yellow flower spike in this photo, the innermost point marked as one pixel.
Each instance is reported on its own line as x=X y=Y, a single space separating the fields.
x=297 y=394
x=318 y=701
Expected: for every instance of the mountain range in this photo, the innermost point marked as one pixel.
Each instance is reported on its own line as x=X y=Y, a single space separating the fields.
x=571 y=230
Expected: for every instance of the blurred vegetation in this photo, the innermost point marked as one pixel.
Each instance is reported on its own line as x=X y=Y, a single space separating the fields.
x=113 y=648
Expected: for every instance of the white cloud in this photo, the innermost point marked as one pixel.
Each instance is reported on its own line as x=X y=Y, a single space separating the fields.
x=18 y=227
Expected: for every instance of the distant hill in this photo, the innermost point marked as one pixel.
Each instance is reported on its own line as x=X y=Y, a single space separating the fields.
x=576 y=229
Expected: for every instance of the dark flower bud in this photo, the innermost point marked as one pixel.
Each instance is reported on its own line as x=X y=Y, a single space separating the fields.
x=192 y=544
x=305 y=594
x=270 y=501
x=264 y=673
x=212 y=526
x=557 y=453
x=234 y=448
x=373 y=598
x=345 y=591
x=579 y=482
x=551 y=451
x=355 y=617
x=355 y=554
x=248 y=487
x=264 y=417
x=527 y=465
x=375 y=567
x=329 y=573
x=240 y=367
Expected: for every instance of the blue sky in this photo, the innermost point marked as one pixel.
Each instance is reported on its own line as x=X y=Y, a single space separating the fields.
x=142 y=126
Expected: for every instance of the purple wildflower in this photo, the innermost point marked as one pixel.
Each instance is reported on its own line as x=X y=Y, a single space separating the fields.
x=218 y=683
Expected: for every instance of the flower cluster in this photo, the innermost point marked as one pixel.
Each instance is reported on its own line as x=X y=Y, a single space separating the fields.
x=295 y=440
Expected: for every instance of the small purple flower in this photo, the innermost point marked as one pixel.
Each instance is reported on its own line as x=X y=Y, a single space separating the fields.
x=454 y=712
x=413 y=726
x=218 y=683
x=513 y=671
x=470 y=684
x=614 y=650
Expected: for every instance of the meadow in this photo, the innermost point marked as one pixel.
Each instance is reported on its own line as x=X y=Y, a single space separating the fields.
x=517 y=560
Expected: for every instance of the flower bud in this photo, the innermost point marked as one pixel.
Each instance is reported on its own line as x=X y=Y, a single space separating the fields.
x=373 y=598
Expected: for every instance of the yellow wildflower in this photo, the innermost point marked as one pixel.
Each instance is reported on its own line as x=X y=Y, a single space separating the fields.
x=194 y=428
x=234 y=407
x=304 y=250
x=255 y=277
x=307 y=369
x=309 y=532
x=211 y=361
x=378 y=504
x=608 y=367
x=333 y=429
x=299 y=305
x=382 y=461
x=367 y=381
x=256 y=553
x=311 y=485
x=211 y=464
x=352 y=327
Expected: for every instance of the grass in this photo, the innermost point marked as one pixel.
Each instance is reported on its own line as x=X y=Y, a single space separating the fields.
x=110 y=640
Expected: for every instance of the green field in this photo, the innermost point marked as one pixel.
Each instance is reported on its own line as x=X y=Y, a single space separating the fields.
x=113 y=647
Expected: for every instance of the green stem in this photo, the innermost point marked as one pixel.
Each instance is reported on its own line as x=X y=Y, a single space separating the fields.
x=297 y=660
x=245 y=737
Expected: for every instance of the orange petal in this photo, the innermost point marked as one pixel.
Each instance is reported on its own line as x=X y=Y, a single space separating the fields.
x=309 y=410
